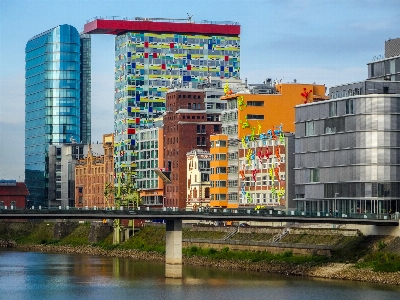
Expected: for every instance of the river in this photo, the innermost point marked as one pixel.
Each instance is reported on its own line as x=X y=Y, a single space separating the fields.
x=35 y=275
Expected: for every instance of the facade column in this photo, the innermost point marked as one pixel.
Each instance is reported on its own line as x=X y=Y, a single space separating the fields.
x=173 y=249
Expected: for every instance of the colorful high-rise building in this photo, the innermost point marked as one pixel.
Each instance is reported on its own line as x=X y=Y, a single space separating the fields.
x=152 y=55
x=56 y=102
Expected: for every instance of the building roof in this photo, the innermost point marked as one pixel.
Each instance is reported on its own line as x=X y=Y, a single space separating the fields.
x=19 y=189
x=100 y=26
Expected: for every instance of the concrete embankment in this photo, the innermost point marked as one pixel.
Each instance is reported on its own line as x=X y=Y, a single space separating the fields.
x=331 y=270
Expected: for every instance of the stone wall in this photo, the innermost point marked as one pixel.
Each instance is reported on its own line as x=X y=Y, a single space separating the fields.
x=62 y=229
x=99 y=232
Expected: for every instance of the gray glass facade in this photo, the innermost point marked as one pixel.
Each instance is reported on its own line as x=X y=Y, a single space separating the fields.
x=347 y=156
x=52 y=102
x=86 y=83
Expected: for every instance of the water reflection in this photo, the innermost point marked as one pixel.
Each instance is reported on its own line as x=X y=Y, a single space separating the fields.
x=29 y=275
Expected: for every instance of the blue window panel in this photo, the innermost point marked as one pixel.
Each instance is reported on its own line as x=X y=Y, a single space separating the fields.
x=133 y=65
x=230 y=69
x=129 y=54
x=129 y=109
x=189 y=56
x=221 y=68
x=150 y=109
x=209 y=46
x=138 y=97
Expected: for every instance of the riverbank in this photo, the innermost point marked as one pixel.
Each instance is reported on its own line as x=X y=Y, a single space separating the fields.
x=340 y=271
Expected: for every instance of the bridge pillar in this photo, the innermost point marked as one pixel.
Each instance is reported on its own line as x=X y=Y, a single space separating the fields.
x=173 y=249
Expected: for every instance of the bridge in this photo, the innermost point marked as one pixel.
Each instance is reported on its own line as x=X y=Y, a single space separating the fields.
x=174 y=218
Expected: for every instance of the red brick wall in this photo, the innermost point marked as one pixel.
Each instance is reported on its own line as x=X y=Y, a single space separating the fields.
x=180 y=137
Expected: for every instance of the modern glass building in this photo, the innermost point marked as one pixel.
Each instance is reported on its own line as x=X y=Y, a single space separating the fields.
x=53 y=102
x=347 y=156
x=153 y=54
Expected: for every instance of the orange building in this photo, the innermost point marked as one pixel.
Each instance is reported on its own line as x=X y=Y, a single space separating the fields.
x=250 y=114
x=93 y=174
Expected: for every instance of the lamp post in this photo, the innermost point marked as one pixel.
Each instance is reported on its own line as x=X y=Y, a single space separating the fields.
x=336 y=210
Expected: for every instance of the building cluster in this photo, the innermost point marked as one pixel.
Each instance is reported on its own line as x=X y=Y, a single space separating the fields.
x=189 y=133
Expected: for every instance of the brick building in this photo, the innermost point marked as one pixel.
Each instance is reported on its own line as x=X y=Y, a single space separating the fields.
x=185 y=128
x=93 y=174
x=13 y=194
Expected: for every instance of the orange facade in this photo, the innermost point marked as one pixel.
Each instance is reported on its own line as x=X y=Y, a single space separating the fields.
x=93 y=174
x=219 y=170
x=258 y=113
x=254 y=115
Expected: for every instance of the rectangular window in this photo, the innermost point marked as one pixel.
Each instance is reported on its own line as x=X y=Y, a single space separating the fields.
x=349 y=107
x=220 y=170
x=220 y=144
x=314 y=175
x=255 y=103
x=310 y=128
x=255 y=117
x=333 y=109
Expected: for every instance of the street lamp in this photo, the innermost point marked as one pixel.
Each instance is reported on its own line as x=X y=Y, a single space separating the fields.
x=336 y=210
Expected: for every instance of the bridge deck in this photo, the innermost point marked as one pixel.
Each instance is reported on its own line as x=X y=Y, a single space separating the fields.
x=212 y=215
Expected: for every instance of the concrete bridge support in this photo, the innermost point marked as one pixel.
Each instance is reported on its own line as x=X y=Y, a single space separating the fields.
x=173 y=249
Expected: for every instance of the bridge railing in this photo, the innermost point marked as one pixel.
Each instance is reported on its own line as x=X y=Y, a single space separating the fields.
x=271 y=212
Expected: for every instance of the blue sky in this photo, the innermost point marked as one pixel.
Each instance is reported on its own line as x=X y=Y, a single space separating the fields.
x=324 y=41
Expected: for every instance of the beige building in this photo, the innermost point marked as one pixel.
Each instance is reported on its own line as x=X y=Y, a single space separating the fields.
x=198 y=178
x=94 y=175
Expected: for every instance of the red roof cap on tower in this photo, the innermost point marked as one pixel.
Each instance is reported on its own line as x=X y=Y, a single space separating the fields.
x=101 y=26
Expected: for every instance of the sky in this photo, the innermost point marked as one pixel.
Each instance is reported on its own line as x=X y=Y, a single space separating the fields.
x=323 y=41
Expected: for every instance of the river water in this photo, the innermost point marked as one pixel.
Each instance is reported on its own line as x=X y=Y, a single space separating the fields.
x=34 y=275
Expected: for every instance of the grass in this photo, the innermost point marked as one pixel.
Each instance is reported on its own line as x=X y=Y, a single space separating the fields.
x=252 y=256
x=381 y=262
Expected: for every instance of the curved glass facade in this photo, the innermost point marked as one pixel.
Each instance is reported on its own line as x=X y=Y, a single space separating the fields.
x=52 y=102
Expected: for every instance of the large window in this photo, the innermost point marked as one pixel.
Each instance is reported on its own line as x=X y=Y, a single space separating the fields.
x=333 y=109
x=314 y=175
x=310 y=128
x=349 y=107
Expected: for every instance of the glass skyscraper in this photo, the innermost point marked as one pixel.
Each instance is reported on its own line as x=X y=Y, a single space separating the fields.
x=55 y=97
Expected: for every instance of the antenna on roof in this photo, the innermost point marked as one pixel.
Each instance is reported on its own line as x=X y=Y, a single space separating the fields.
x=189 y=18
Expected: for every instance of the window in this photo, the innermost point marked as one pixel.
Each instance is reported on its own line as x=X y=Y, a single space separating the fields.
x=349 y=107
x=220 y=144
x=310 y=128
x=333 y=109
x=314 y=175
x=220 y=170
x=255 y=117
x=220 y=183
x=255 y=103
